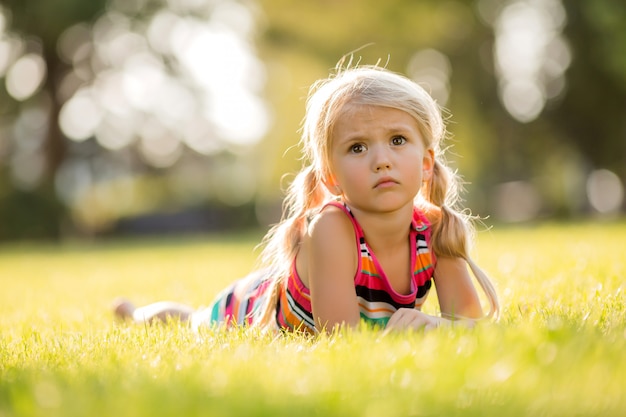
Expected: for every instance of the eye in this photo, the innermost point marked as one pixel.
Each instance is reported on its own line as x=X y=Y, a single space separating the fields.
x=357 y=148
x=398 y=140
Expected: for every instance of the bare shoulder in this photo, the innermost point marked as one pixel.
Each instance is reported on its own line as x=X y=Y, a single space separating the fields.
x=330 y=231
x=329 y=240
x=332 y=221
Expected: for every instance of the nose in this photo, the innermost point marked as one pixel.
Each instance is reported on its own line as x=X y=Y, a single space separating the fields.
x=381 y=159
x=382 y=166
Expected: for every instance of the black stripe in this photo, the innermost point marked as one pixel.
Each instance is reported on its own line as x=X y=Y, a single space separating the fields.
x=380 y=296
x=420 y=239
x=229 y=299
x=348 y=210
x=422 y=290
x=300 y=308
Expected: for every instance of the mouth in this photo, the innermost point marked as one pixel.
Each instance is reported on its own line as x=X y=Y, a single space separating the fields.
x=385 y=182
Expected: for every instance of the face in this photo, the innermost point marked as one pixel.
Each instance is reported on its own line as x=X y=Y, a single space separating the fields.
x=378 y=158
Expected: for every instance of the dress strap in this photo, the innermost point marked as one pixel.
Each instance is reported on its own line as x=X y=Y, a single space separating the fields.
x=422 y=226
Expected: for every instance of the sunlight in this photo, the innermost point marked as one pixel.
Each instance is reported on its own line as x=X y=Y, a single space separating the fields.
x=222 y=63
x=26 y=76
x=74 y=44
x=184 y=78
x=432 y=69
x=530 y=54
x=523 y=98
x=235 y=16
x=142 y=77
x=240 y=116
x=114 y=41
x=160 y=30
x=158 y=145
x=116 y=131
x=7 y=50
x=214 y=87
x=605 y=191
x=80 y=116
x=187 y=6
x=199 y=134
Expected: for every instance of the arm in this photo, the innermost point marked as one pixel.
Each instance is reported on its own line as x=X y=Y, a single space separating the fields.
x=331 y=267
x=455 y=289
x=458 y=300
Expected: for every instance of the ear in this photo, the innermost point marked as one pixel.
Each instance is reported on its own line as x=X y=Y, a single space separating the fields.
x=428 y=165
x=332 y=186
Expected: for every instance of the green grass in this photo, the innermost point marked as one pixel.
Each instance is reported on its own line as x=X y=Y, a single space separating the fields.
x=559 y=349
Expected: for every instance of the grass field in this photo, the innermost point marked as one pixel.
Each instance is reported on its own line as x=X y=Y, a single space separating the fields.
x=558 y=350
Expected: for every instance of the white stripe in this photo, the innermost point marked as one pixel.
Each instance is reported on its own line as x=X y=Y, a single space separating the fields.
x=375 y=305
x=298 y=311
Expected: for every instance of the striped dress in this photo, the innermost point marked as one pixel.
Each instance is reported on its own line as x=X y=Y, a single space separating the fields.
x=242 y=301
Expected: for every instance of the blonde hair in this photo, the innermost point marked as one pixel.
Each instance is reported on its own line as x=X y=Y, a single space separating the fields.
x=375 y=86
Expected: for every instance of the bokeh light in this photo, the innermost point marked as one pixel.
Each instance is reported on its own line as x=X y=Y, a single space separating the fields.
x=432 y=70
x=516 y=201
x=27 y=164
x=25 y=76
x=605 y=191
x=175 y=70
x=184 y=79
x=163 y=105
x=530 y=54
x=80 y=116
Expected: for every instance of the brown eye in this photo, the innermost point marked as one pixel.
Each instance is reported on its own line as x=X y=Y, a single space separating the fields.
x=398 y=140
x=357 y=148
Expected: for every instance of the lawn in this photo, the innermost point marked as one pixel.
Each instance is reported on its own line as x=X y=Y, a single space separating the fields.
x=558 y=350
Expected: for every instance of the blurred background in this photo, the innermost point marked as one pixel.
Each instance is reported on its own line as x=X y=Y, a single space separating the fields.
x=126 y=117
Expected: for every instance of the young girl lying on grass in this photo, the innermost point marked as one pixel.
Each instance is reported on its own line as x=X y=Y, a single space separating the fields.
x=368 y=223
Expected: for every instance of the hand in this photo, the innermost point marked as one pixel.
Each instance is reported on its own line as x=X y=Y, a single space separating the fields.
x=409 y=318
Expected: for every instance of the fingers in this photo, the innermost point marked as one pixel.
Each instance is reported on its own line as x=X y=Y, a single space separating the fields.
x=430 y=326
x=401 y=318
x=406 y=318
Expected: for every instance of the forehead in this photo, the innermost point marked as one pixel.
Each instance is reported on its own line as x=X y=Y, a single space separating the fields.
x=357 y=119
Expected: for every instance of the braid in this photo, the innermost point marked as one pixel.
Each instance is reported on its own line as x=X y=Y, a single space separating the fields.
x=283 y=240
x=453 y=228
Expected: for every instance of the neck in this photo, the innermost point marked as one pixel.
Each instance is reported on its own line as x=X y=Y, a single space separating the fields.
x=385 y=230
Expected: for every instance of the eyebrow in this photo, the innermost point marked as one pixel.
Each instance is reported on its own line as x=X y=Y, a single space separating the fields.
x=390 y=130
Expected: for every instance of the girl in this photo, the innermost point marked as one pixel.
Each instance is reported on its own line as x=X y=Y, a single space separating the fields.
x=368 y=224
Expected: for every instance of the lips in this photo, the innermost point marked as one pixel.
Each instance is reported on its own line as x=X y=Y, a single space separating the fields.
x=385 y=182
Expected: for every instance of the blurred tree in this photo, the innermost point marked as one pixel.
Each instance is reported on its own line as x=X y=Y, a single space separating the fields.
x=145 y=90
x=41 y=23
x=592 y=112
x=148 y=88
x=560 y=115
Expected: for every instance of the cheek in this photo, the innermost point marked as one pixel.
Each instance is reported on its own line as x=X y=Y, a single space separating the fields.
x=342 y=168
x=416 y=173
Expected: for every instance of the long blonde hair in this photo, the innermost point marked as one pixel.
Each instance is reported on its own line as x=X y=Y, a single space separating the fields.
x=376 y=86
